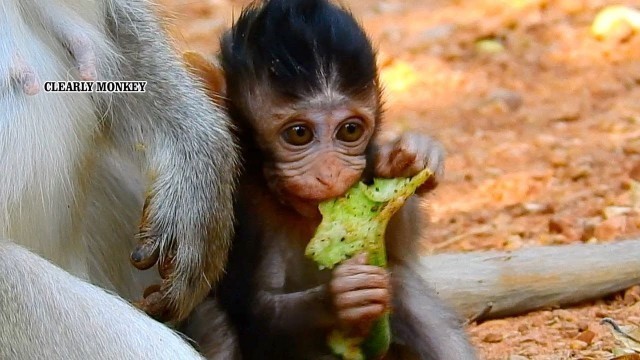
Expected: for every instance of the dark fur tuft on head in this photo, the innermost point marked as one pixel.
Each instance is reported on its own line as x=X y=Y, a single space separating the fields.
x=297 y=46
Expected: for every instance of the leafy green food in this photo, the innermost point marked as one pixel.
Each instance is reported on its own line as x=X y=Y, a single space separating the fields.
x=356 y=223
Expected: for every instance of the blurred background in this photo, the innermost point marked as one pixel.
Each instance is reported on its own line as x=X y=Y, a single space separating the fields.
x=538 y=105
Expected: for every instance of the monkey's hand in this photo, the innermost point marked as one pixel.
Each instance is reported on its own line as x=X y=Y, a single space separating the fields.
x=24 y=75
x=183 y=276
x=361 y=294
x=409 y=154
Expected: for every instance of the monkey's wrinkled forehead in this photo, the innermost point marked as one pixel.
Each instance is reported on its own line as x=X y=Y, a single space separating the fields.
x=299 y=47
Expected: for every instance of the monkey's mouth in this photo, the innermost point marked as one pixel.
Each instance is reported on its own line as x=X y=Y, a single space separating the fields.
x=305 y=207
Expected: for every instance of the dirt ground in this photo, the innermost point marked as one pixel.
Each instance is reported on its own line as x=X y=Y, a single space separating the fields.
x=541 y=121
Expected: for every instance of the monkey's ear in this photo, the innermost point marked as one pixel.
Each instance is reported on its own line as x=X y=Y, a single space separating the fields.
x=210 y=73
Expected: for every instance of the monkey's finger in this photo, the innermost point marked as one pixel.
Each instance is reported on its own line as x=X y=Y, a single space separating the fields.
x=382 y=161
x=146 y=253
x=154 y=304
x=435 y=160
x=420 y=146
x=359 y=281
x=361 y=314
x=359 y=298
x=418 y=164
x=435 y=163
x=358 y=259
x=150 y=290
x=401 y=159
x=405 y=163
x=348 y=270
x=25 y=76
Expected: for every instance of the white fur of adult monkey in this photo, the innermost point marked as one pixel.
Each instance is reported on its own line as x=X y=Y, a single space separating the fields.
x=104 y=326
x=72 y=187
x=44 y=140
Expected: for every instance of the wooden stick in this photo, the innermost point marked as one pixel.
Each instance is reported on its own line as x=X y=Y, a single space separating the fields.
x=515 y=282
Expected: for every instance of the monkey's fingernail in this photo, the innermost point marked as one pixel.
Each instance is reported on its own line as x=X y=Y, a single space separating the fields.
x=145 y=255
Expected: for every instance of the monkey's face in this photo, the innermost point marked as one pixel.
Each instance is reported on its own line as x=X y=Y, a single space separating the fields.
x=315 y=149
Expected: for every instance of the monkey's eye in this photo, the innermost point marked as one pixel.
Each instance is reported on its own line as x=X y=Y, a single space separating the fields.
x=350 y=132
x=298 y=135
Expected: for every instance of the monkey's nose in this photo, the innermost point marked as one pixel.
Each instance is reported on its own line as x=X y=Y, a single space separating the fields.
x=324 y=181
x=330 y=187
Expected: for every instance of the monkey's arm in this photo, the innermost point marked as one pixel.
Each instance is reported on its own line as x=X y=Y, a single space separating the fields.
x=190 y=155
x=289 y=312
x=296 y=311
x=48 y=314
x=518 y=281
x=211 y=330
x=419 y=318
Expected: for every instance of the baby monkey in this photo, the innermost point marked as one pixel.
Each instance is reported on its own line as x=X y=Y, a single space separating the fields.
x=302 y=87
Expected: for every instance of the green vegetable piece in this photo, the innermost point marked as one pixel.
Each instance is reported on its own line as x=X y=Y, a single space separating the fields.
x=355 y=223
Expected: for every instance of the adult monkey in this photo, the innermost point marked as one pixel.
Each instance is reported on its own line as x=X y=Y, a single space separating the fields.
x=72 y=187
